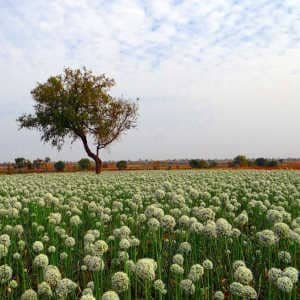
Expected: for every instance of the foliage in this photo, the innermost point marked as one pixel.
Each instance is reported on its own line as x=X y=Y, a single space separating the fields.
x=198 y=164
x=261 y=162
x=203 y=164
x=59 y=166
x=240 y=161
x=38 y=163
x=273 y=163
x=77 y=104
x=21 y=162
x=122 y=165
x=84 y=164
x=194 y=163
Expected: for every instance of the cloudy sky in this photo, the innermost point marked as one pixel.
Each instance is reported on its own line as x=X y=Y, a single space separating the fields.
x=215 y=78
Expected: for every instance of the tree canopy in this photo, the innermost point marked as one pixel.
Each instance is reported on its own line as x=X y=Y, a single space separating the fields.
x=77 y=104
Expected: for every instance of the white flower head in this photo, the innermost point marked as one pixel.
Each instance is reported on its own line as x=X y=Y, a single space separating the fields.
x=243 y=275
x=145 y=268
x=29 y=295
x=284 y=284
x=120 y=282
x=110 y=295
x=5 y=273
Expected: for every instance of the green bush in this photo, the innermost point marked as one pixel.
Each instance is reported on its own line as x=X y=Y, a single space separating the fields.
x=240 y=161
x=273 y=163
x=194 y=163
x=59 y=166
x=198 y=164
x=84 y=164
x=20 y=162
x=203 y=164
x=122 y=165
x=261 y=162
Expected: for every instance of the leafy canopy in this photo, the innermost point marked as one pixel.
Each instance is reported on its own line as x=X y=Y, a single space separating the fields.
x=77 y=104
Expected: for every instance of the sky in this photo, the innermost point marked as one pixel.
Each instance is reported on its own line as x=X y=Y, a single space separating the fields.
x=215 y=78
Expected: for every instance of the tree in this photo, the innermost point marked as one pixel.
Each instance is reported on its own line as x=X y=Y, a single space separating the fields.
x=77 y=104
x=240 y=161
x=261 y=162
x=37 y=163
x=59 y=166
x=203 y=164
x=84 y=164
x=20 y=162
x=272 y=163
x=194 y=163
x=47 y=159
x=122 y=165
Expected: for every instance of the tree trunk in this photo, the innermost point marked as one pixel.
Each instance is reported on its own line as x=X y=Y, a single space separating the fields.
x=98 y=165
x=95 y=157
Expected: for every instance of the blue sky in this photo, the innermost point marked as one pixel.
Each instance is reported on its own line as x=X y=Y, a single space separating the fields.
x=215 y=78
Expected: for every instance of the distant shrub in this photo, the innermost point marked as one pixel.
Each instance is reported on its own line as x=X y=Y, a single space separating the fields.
x=59 y=166
x=203 y=164
x=240 y=161
x=84 y=164
x=122 y=165
x=20 y=162
x=194 y=163
x=37 y=163
x=198 y=164
x=261 y=162
x=273 y=163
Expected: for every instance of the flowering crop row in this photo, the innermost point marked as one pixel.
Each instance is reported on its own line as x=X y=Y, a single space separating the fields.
x=150 y=235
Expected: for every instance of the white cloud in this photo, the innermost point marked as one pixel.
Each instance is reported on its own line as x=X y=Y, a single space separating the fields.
x=212 y=76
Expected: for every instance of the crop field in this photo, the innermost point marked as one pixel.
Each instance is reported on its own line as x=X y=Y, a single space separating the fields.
x=150 y=235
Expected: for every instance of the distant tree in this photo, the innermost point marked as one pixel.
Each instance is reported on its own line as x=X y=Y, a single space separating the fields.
x=203 y=164
x=29 y=164
x=84 y=164
x=47 y=159
x=240 y=161
x=59 y=166
x=20 y=162
x=272 y=163
x=77 y=104
x=38 y=163
x=261 y=162
x=194 y=163
x=122 y=165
